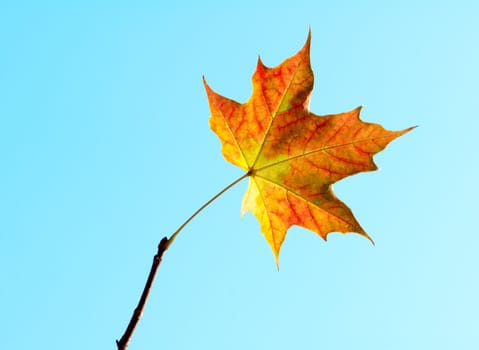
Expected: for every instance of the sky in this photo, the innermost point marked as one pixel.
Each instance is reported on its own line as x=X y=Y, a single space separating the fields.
x=105 y=148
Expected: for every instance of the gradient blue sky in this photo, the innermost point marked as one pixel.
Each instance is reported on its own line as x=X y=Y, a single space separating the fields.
x=105 y=148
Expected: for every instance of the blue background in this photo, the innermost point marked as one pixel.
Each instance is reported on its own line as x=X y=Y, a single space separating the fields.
x=105 y=148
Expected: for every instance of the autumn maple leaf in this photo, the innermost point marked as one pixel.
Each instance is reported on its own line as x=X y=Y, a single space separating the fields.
x=291 y=155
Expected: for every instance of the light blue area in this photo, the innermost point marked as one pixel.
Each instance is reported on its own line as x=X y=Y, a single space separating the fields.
x=105 y=148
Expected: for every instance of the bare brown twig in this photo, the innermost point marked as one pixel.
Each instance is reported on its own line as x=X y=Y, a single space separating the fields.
x=122 y=344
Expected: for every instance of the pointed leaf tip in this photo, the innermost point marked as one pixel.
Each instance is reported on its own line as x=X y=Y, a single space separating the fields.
x=204 y=82
x=307 y=44
x=260 y=65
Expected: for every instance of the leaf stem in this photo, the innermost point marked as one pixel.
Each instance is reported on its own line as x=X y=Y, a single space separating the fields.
x=164 y=244
x=173 y=236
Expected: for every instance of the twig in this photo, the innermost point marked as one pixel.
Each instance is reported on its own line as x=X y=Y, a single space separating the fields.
x=122 y=344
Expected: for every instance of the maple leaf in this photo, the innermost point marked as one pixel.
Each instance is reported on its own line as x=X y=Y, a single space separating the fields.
x=292 y=156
